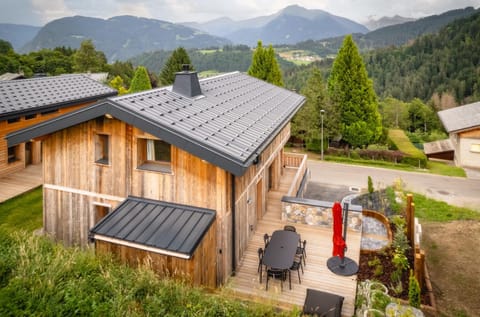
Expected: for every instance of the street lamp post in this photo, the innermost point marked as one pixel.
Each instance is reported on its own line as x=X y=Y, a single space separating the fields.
x=322 y=112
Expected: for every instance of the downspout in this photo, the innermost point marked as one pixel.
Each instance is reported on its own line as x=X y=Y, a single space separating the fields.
x=234 y=257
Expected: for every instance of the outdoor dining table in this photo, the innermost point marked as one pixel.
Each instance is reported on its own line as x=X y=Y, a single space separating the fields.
x=280 y=251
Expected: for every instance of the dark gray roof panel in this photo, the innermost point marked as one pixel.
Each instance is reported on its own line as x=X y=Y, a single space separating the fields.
x=157 y=224
x=235 y=116
x=461 y=118
x=229 y=125
x=33 y=95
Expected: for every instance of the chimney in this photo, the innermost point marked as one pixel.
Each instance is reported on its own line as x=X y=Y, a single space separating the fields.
x=186 y=83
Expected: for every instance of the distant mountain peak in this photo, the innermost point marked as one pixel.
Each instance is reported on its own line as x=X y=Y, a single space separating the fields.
x=373 y=24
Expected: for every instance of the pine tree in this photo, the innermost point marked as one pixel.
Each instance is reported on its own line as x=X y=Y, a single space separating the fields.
x=264 y=65
x=352 y=94
x=174 y=65
x=140 y=81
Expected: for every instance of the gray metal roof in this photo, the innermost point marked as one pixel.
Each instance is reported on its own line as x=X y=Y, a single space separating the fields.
x=171 y=228
x=26 y=96
x=439 y=146
x=461 y=118
x=229 y=125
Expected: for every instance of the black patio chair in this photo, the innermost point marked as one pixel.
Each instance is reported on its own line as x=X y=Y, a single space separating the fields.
x=266 y=239
x=260 y=263
x=322 y=304
x=277 y=274
x=296 y=266
x=289 y=228
x=301 y=251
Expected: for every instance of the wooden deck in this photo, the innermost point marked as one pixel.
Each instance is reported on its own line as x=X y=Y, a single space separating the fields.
x=317 y=275
x=20 y=182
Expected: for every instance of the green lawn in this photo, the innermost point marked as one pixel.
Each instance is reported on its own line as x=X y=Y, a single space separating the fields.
x=438 y=168
x=23 y=212
x=434 y=210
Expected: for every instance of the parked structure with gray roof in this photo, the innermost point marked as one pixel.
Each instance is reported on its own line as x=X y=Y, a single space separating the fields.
x=155 y=226
x=228 y=125
x=463 y=125
x=461 y=118
x=28 y=96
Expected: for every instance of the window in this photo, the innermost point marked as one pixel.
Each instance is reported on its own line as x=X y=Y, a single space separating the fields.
x=475 y=148
x=30 y=116
x=100 y=212
x=13 y=120
x=13 y=153
x=154 y=155
x=102 y=149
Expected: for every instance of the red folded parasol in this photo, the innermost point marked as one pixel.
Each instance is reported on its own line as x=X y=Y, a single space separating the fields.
x=339 y=244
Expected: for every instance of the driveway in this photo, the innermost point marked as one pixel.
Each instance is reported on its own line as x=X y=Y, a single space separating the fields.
x=338 y=180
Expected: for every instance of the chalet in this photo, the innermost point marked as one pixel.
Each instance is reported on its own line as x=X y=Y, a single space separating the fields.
x=175 y=176
x=25 y=102
x=463 y=126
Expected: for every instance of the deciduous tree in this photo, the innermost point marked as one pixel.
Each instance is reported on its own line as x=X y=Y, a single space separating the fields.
x=306 y=124
x=87 y=59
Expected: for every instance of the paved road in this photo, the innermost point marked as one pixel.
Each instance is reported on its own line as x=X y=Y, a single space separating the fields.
x=341 y=178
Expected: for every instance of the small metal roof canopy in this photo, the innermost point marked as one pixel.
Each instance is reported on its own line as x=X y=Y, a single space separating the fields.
x=155 y=226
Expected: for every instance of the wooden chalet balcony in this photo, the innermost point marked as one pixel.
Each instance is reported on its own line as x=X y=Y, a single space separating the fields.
x=319 y=249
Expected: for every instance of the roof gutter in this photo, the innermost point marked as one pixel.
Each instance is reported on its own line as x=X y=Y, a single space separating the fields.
x=139 y=246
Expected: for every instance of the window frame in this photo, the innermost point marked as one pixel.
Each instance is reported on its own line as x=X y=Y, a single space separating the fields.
x=101 y=149
x=146 y=164
x=15 y=156
x=475 y=148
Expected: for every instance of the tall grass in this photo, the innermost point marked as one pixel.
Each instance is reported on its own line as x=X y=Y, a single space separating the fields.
x=41 y=278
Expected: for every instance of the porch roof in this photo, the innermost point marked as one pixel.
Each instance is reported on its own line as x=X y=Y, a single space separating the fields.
x=157 y=226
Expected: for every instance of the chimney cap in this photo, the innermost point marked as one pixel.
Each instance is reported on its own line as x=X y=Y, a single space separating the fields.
x=185 y=67
x=186 y=83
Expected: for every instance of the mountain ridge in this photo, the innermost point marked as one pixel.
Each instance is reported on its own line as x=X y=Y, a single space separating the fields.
x=120 y=37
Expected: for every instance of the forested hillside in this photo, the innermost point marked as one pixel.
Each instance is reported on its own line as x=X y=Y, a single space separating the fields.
x=227 y=59
x=394 y=35
x=445 y=62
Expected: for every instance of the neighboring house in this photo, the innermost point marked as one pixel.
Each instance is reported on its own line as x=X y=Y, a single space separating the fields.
x=12 y=76
x=175 y=176
x=463 y=126
x=26 y=102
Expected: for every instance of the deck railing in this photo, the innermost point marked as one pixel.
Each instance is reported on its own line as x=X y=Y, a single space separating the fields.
x=298 y=161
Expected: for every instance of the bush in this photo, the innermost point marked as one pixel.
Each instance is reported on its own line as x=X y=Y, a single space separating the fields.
x=413 y=291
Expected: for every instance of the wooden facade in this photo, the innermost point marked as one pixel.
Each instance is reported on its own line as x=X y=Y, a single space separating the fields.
x=199 y=270
x=78 y=191
x=28 y=153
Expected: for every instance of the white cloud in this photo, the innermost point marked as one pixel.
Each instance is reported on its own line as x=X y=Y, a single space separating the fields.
x=41 y=11
x=49 y=10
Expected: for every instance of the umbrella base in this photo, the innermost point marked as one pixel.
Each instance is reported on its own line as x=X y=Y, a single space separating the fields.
x=347 y=268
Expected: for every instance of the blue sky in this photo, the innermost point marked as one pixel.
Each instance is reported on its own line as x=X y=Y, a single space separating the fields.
x=40 y=12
